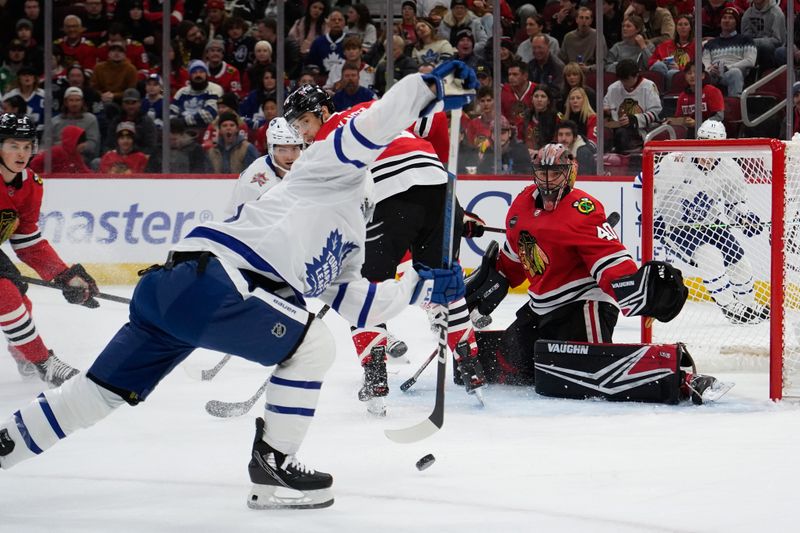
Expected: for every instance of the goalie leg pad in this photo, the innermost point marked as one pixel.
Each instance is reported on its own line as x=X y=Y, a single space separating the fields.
x=618 y=372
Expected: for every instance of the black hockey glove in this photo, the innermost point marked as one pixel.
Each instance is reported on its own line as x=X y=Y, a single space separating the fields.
x=78 y=286
x=474 y=226
x=486 y=287
x=656 y=290
x=10 y=272
x=751 y=224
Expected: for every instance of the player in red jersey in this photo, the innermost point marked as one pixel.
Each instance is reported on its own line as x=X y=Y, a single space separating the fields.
x=558 y=239
x=19 y=218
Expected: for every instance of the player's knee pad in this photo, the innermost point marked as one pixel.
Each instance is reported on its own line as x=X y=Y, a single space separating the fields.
x=313 y=357
x=56 y=413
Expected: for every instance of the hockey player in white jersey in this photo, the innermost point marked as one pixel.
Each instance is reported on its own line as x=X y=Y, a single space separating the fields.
x=239 y=286
x=697 y=200
x=284 y=146
x=410 y=187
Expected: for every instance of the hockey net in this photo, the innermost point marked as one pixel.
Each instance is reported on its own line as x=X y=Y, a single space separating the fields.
x=727 y=213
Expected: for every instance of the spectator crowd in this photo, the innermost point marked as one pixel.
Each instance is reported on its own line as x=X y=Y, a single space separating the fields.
x=109 y=105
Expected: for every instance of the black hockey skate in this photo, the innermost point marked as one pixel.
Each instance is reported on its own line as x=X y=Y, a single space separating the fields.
x=6 y=444
x=739 y=313
x=54 y=371
x=469 y=371
x=376 y=385
x=280 y=481
x=704 y=388
x=395 y=347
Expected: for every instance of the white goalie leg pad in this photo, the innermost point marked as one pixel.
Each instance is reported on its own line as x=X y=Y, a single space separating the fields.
x=294 y=388
x=56 y=413
x=741 y=276
x=712 y=270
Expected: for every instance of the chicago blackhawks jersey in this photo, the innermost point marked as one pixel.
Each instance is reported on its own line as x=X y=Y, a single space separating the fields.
x=568 y=254
x=317 y=209
x=407 y=161
x=20 y=203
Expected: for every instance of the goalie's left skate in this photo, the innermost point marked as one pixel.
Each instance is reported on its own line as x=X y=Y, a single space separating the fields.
x=705 y=389
x=280 y=481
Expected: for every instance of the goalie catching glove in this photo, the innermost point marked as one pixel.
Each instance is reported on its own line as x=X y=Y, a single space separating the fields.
x=486 y=287
x=77 y=286
x=655 y=290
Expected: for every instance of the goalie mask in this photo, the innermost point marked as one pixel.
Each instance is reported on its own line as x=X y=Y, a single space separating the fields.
x=283 y=138
x=554 y=173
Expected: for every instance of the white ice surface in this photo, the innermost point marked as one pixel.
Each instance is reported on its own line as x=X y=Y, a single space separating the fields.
x=524 y=463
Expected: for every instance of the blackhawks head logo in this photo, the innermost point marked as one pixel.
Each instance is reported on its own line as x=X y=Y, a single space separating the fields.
x=531 y=254
x=584 y=206
x=8 y=224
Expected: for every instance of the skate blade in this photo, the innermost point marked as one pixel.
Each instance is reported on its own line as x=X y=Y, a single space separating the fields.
x=270 y=497
x=717 y=391
x=478 y=394
x=376 y=406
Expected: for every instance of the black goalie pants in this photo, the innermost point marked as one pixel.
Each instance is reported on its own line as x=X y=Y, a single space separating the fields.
x=508 y=356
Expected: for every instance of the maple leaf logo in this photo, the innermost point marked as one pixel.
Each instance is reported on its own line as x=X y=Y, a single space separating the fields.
x=323 y=270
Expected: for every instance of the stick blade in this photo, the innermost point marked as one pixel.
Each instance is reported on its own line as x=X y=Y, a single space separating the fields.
x=225 y=410
x=415 y=433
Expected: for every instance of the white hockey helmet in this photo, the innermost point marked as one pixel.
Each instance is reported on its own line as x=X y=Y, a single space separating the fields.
x=554 y=173
x=712 y=130
x=280 y=132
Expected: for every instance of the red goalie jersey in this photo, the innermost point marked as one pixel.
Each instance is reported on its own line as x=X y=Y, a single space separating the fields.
x=19 y=222
x=568 y=254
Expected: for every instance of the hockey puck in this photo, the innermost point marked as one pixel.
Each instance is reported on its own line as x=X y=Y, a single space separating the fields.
x=425 y=462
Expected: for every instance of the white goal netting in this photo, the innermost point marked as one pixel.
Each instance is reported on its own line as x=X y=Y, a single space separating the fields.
x=712 y=213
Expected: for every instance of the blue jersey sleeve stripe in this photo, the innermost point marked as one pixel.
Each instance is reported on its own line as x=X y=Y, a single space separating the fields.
x=283 y=410
x=296 y=384
x=337 y=302
x=363 y=140
x=26 y=436
x=337 y=146
x=362 y=317
x=50 y=416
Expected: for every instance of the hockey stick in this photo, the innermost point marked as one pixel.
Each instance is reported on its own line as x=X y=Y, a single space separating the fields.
x=434 y=422
x=99 y=295
x=222 y=409
x=407 y=384
x=207 y=374
x=612 y=219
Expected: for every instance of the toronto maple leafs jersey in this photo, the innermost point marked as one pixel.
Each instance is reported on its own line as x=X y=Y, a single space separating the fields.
x=691 y=190
x=308 y=232
x=254 y=181
x=406 y=161
x=569 y=254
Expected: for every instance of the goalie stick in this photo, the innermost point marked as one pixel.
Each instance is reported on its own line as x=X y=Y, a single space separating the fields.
x=99 y=295
x=613 y=220
x=222 y=409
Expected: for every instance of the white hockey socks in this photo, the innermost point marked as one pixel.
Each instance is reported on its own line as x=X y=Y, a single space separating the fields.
x=56 y=413
x=741 y=278
x=712 y=271
x=293 y=389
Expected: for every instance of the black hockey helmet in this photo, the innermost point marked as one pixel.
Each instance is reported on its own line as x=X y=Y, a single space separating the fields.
x=16 y=127
x=306 y=99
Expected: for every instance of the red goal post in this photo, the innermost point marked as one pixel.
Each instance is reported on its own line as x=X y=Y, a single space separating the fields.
x=671 y=171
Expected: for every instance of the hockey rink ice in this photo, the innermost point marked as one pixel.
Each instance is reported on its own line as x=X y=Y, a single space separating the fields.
x=523 y=463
